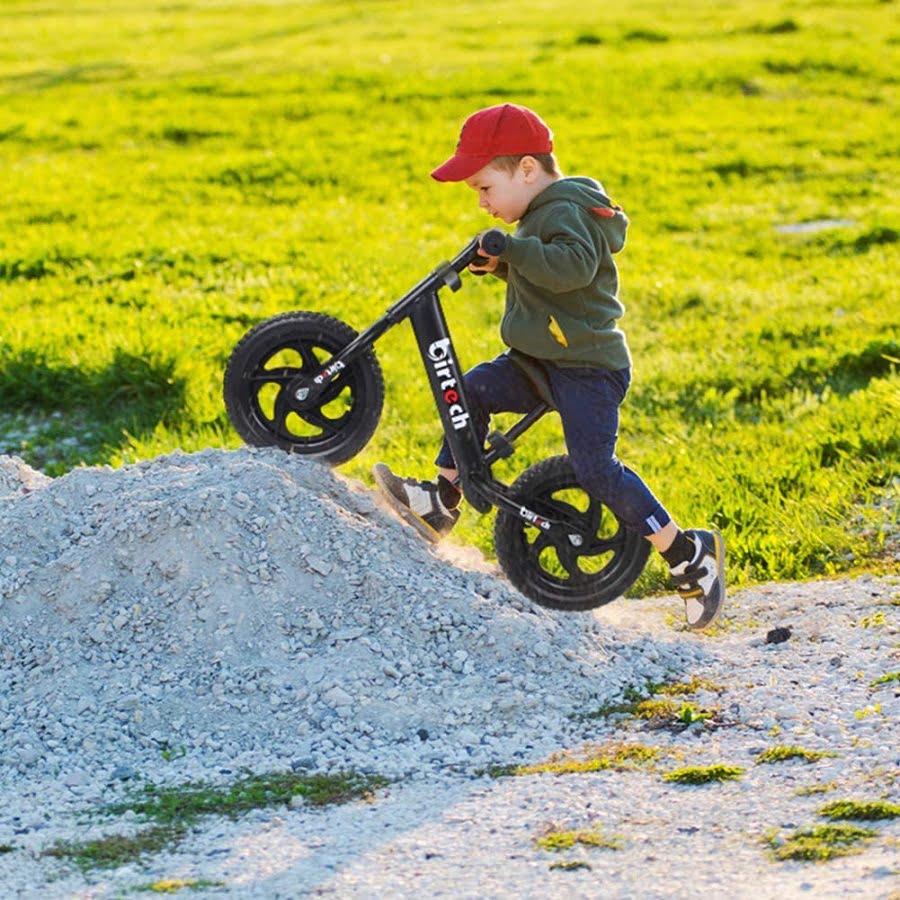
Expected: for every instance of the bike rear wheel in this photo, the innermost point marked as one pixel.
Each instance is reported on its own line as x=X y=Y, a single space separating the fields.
x=549 y=568
x=270 y=357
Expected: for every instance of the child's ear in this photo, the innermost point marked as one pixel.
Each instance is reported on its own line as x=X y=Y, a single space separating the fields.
x=528 y=166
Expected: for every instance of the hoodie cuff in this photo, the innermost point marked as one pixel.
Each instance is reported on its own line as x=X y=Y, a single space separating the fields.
x=514 y=251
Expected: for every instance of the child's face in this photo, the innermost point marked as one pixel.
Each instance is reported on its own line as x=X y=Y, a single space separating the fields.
x=505 y=196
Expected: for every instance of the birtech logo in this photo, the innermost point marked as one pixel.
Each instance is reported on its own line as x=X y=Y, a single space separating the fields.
x=332 y=370
x=534 y=518
x=445 y=368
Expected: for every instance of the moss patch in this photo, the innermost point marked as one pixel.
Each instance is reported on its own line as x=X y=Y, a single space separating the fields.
x=116 y=849
x=640 y=702
x=571 y=865
x=555 y=841
x=591 y=759
x=187 y=802
x=888 y=678
x=860 y=811
x=692 y=686
x=174 y=809
x=817 y=788
x=782 y=753
x=704 y=774
x=174 y=885
x=821 y=843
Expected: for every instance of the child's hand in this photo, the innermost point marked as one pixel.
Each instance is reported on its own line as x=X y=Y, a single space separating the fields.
x=489 y=266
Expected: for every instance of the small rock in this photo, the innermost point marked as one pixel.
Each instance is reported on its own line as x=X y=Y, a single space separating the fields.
x=778 y=635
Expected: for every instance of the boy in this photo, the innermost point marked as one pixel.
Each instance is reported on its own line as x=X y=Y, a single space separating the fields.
x=560 y=322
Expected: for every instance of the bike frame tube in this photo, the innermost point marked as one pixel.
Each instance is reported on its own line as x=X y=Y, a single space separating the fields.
x=423 y=308
x=446 y=275
x=446 y=380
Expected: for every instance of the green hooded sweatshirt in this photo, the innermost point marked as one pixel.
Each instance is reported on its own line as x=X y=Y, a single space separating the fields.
x=562 y=284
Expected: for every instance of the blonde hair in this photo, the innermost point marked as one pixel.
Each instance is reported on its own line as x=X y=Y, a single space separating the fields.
x=509 y=164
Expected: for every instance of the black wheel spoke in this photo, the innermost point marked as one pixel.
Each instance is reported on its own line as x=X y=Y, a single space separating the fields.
x=568 y=558
x=281 y=376
x=594 y=516
x=333 y=391
x=602 y=545
x=613 y=543
x=315 y=417
x=310 y=360
x=280 y=413
x=538 y=546
x=562 y=510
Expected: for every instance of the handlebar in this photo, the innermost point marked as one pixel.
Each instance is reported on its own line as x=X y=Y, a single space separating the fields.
x=494 y=241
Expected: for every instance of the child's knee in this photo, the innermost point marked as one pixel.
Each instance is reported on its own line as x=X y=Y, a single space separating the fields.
x=601 y=478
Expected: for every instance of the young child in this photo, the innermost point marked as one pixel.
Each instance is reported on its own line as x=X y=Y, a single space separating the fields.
x=560 y=322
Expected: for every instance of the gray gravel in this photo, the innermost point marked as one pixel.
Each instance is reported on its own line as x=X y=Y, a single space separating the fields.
x=195 y=615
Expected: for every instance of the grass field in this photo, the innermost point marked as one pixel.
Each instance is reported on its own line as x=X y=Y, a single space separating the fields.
x=175 y=172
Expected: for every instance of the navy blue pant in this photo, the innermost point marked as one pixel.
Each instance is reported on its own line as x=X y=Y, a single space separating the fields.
x=588 y=401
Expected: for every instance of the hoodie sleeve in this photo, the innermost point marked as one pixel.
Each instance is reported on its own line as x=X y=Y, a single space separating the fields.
x=563 y=257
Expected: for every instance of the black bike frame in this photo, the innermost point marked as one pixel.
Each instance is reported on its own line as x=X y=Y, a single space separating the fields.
x=422 y=306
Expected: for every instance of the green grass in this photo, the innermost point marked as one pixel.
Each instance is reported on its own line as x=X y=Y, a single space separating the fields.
x=888 y=678
x=174 y=173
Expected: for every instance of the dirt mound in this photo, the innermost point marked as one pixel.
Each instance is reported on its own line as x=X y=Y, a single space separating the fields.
x=250 y=606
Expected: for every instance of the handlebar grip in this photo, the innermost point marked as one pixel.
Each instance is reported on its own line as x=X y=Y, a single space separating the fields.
x=494 y=241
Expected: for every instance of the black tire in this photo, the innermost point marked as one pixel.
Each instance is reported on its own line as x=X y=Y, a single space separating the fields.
x=270 y=356
x=550 y=570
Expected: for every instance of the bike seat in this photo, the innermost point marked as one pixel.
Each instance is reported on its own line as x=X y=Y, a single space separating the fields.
x=535 y=373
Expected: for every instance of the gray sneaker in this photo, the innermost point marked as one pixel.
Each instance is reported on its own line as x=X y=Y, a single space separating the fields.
x=701 y=582
x=418 y=502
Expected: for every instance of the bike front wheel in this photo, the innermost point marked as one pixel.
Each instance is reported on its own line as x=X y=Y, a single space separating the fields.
x=270 y=357
x=547 y=567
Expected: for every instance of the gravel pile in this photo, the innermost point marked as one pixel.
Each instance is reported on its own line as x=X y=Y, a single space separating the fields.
x=255 y=609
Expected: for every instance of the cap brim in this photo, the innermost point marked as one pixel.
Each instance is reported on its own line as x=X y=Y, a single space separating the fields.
x=459 y=168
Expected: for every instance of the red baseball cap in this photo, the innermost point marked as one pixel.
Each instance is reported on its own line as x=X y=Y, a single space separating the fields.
x=506 y=130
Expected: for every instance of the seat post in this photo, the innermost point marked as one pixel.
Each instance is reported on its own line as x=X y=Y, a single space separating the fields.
x=501 y=444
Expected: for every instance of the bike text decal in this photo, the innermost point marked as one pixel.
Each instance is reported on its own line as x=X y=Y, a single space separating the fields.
x=444 y=365
x=333 y=369
x=534 y=518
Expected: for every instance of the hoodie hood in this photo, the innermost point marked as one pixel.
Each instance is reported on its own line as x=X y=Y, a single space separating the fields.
x=589 y=195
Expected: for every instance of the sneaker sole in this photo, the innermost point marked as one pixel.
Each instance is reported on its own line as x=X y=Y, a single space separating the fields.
x=380 y=472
